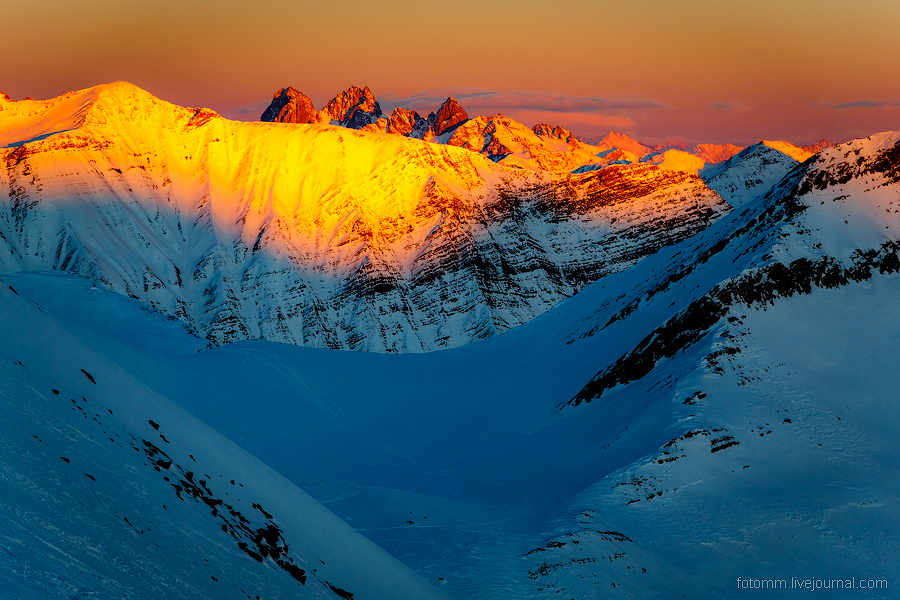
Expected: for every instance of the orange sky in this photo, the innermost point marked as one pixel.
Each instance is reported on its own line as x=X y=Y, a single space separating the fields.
x=699 y=71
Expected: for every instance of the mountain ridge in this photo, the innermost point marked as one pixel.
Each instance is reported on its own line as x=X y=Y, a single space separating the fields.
x=363 y=241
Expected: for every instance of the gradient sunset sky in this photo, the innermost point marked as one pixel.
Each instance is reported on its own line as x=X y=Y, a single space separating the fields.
x=691 y=71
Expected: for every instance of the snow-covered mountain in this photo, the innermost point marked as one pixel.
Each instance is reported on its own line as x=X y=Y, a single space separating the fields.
x=676 y=160
x=722 y=411
x=614 y=139
x=508 y=142
x=753 y=170
x=715 y=153
x=766 y=341
x=315 y=234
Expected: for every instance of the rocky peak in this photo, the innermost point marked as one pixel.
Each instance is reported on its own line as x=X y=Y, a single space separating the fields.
x=558 y=133
x=818 y=146
x=495 y=150
x=543 y=130
x=290 y=106
x=354 y=108
x=407 y=122
x=448 y=116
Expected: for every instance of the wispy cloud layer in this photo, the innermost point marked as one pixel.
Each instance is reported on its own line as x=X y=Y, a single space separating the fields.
x=730 y=106
x=868 y=104
x=490 y=102
x=830 y=104
x=248 y=112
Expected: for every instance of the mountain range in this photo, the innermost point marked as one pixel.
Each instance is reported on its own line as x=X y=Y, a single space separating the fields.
x=643 y=378
x=318 y=235
x=501 y=139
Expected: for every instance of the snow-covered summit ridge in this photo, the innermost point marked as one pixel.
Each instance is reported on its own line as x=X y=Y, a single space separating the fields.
x=30 y=120
x=316 y=234
x=753 y=170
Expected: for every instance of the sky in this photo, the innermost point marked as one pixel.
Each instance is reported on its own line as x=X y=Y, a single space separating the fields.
x=660 y=70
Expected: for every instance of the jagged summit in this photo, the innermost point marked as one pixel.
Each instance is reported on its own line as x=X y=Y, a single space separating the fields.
x=357 y=108
x=407 y=123
x=290 y=106
x=354 y=108
x=818 y=146
x=557 y=133
x=448 y=116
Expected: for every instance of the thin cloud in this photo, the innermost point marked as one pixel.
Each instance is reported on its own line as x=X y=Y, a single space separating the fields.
x=478 y=101
x=575 y=121
x=731 y=106
x=248 y=112
x=867 y=104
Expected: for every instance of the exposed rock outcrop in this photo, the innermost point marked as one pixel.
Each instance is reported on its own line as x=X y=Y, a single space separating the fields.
x=818 y=146
x=556 y=133
x=354 y=108
x=448 y=116
x=407 y=123
x=290 y=106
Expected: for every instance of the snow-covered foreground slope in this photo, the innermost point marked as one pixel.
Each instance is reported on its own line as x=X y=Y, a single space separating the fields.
x=315 y=235
x=110 y=491
x=724 y=409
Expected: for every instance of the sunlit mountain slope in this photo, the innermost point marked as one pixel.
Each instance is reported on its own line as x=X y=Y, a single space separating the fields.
x=316 y=235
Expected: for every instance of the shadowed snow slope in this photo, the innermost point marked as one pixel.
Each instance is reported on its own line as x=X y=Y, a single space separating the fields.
x=723 y=409
x=316 y=235
x=111 y=491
